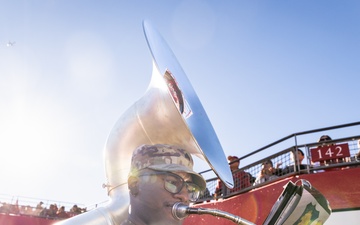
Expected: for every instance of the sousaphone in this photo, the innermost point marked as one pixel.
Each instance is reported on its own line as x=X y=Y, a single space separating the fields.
x=170 y=112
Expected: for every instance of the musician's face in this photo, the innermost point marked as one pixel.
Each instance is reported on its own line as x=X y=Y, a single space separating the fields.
x=154 y=202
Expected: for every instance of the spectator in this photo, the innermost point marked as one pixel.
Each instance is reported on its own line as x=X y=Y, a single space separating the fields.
x=43 y=212
x=5 y=208
x=75 y=210
x=56 y=208
x=357 y=156
x=39 y=205
x=324 y=138
x=28 y=210
x=241 y=178
x=39 y=208
x=296 y=157
x=51 y=212
x=22 y=209
x=267 y=173
x=61 y=213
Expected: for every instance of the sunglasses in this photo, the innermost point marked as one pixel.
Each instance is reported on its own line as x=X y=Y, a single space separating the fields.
x=173 y=183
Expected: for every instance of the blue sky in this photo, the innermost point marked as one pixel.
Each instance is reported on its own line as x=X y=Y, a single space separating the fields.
x=262 y=69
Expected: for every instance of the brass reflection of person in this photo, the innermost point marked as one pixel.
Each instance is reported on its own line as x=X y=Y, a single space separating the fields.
x=160 y=176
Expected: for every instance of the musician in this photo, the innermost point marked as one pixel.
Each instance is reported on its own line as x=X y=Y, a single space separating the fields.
x=160 y=176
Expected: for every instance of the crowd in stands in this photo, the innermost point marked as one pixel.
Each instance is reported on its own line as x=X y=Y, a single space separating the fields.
x=267 y=171
x=53 y=211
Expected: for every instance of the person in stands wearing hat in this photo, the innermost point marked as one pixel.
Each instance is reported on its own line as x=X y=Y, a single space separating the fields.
x=160 y=176
x=241 y=178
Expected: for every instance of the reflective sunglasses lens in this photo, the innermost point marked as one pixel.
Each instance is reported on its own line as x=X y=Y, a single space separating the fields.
x=173 y=184
x=193 y=191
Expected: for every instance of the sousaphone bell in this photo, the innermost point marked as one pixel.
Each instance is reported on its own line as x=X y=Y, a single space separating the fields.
x=169 y=112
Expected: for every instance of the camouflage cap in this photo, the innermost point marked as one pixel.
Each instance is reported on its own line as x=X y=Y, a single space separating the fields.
x=162 y=157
